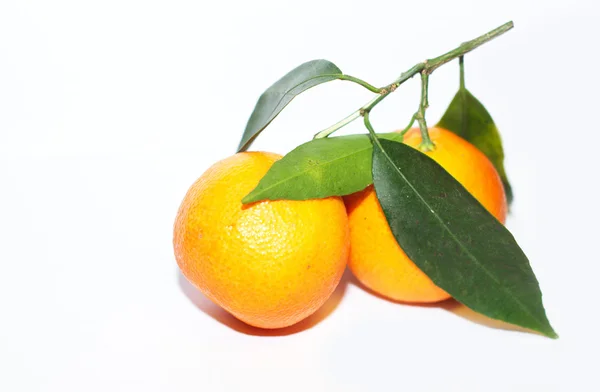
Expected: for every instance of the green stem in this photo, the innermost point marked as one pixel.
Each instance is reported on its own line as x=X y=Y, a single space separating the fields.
x=468 y=46
x=461 y=64
x=342 y=123
x=328 y=131
x=424 y=68
x=418 y=68
x=366 y=85
x=409 y=126
x=426 y=143
x=369 y=127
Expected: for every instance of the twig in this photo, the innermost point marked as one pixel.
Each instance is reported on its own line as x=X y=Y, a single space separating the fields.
x=424 y=68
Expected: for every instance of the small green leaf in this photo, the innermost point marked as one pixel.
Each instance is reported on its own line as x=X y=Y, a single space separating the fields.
x=449 y=235
x=469 y=119
x=276 y=97
x=321 y=168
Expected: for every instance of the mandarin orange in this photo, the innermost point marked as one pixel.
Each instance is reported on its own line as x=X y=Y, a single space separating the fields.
x=377 y=260
x=270 y=263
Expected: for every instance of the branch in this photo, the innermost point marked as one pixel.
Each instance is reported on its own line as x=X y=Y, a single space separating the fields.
x=468 y=46
x=424 y=68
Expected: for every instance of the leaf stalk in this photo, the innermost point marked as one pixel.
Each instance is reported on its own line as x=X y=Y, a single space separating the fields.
x=409 y=126
x=461 y=64
x=361 y=82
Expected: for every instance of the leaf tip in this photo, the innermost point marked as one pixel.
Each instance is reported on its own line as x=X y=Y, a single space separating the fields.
x=252 y=197
x=551 y=333
x=547 y=330
x=248 y=199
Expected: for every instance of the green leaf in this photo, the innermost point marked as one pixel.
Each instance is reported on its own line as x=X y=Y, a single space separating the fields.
x=276 y=97
x=321 y=168
x=469 y=119
x=449 y=235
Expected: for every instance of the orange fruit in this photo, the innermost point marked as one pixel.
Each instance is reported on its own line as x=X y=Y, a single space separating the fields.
x=377 y=260
x=270 y=263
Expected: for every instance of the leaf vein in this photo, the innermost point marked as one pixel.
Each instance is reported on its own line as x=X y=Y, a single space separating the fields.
x=460 y=244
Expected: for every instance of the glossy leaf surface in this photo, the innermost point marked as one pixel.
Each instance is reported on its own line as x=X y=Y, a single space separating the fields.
x=279 y=95
x=321 y=168
x=452 y=238
x=469 y=119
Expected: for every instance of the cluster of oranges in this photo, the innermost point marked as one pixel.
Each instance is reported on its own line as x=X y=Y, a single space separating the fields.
x=273 y=263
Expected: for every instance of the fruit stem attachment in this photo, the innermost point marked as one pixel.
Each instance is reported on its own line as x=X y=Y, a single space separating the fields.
x=426 y=143
x=425 y=67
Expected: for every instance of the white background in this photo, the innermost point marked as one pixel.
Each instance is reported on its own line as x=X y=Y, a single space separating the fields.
x=109 y=110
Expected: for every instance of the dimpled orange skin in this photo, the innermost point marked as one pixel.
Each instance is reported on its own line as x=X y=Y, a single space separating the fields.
x=377 y=260
x=270 y=263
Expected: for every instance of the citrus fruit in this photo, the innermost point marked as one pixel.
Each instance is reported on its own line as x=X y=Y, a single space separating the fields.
x=270 y=263
x=377 y=260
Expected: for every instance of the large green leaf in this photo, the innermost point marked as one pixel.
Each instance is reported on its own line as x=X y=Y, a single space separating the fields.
x=469 y=119
x=454 y=240
x=321 y=168
x=276 y=97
